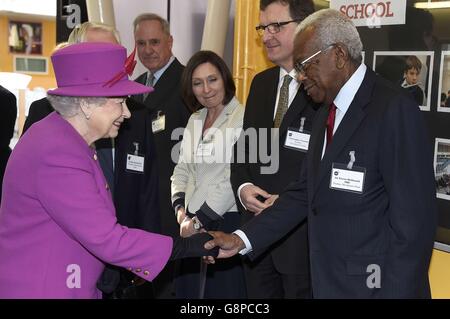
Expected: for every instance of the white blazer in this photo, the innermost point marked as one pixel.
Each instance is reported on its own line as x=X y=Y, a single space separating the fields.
x=201 y=179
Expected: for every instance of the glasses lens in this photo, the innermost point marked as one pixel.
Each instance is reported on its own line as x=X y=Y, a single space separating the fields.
x=260 y=30
x=274 y=28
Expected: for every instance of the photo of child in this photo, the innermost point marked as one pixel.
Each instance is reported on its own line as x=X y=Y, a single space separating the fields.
x=410 y=70
x=411 y=79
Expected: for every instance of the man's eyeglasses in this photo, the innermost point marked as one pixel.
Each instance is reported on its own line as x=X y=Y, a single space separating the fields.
x=273 y=27
x=302 y=67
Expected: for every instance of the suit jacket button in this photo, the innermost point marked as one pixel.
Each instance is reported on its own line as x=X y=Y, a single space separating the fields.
x=130 y=269
x=146 y=273
x=95 y=157
x=138 y=270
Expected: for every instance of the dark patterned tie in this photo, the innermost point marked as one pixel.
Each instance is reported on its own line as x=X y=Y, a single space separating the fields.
x=330 y=123
x=283 y=101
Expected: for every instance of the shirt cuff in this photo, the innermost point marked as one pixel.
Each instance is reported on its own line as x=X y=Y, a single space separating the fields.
x=239 y=193
x=248 y=247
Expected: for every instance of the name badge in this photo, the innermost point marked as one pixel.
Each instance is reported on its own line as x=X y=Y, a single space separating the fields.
x=205 y=149
x=348 y=178
x=135 y=163
x=159 y=124
x=296 y=140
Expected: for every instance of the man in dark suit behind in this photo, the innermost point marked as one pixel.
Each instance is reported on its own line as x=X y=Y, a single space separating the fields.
x=38 y=110
x=283 y=271
x=8 y=110
x=367 y=188
x=166 y=112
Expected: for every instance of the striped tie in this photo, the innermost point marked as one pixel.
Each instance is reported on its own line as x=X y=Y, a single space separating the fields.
x=149 y=82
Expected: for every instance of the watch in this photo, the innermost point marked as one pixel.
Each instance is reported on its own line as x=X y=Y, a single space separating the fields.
x=196 y=223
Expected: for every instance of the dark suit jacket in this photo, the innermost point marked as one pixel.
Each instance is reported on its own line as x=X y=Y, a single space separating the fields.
x=135 y=196
x=7 y=121
x=166 y=98
x=392 y=224
x=38 y=110
x=290 y=254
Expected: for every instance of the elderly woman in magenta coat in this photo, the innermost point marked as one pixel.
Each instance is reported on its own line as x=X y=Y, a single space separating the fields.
x=57 y=219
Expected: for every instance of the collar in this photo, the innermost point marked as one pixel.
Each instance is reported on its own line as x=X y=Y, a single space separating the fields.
x=160 y=72
x=348 y=91
x=406 y=85
x=283 y=72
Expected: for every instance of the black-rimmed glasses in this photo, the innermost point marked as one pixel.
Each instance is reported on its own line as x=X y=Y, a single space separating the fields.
x=273 y=27
x=301 y=67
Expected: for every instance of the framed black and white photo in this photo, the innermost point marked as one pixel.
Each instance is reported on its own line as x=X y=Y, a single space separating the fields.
x=411 y=70
x=444 y=83
x=442 y=168
x=25 y=37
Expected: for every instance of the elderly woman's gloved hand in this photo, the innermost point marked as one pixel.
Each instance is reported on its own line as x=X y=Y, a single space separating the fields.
x=192 y=246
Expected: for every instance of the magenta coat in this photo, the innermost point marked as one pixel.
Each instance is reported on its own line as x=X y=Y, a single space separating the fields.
x=58 y=223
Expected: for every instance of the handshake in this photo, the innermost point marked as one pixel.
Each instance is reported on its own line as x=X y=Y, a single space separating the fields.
x=210 y=245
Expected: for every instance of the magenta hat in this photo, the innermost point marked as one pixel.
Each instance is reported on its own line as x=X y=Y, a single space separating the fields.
x=95 y=69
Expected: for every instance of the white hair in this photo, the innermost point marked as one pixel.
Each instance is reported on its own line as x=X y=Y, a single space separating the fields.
x=78 y=34
x=330 y=27
x=69 y=106
x=152 y=17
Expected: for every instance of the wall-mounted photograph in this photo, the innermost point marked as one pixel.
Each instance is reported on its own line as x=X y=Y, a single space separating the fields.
x=25 y=37
x=444 y=83
x=442 y=168
x=410 y=70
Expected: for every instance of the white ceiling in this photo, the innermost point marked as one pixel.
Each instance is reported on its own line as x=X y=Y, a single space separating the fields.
x=41 y=7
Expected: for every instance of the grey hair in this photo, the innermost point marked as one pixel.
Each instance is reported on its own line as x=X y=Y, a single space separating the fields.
x=330 y=27
x=152 y=17
x=69 y=106
x=78 y=34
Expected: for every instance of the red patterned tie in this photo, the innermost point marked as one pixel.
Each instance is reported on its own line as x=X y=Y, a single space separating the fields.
x=330 y=123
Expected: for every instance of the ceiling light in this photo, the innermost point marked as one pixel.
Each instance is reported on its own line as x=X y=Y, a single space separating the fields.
x=432 y=5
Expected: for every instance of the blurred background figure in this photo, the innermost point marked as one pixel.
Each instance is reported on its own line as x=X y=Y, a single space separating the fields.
x=443 y=99
x=447 y=102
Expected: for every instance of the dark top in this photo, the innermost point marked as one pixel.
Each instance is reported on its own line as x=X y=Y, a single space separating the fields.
x=8 y=106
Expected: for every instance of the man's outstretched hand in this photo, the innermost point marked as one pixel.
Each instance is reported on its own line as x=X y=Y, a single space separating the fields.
x=229 y=244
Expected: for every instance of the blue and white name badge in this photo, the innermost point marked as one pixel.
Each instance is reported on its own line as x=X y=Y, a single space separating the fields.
x=298 y=139
x=159 y=124
x=348 y=178
x=135 y=162
x=205 y=149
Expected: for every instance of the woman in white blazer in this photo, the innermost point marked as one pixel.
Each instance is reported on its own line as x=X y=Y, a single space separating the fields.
x=202 y=196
